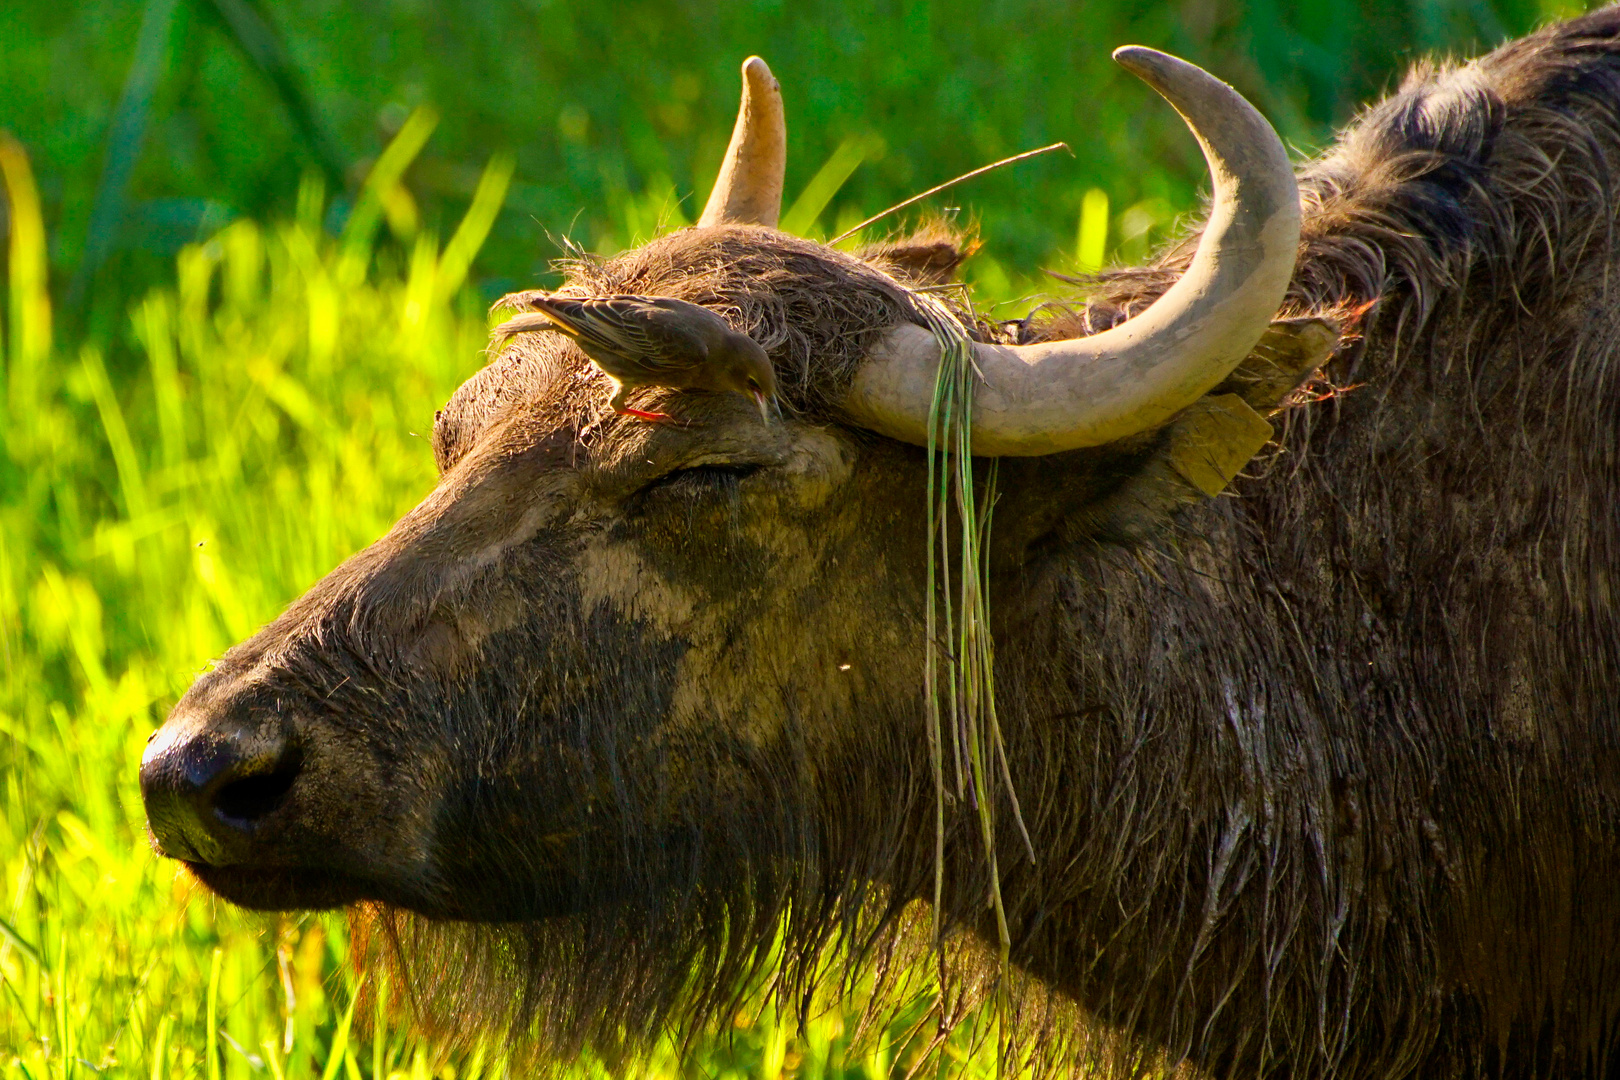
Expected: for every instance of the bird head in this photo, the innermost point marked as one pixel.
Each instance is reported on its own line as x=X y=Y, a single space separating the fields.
x=747 y=370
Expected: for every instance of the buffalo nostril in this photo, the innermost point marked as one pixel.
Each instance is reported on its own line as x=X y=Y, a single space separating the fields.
x=244 y=801
x=208 y=791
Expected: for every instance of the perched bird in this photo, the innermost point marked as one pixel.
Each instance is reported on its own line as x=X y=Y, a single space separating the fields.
x=654 y=341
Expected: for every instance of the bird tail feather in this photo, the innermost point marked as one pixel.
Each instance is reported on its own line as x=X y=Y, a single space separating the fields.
x=530 y=322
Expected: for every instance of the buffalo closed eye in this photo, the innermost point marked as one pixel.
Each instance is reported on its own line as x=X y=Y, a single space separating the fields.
x=702 y=480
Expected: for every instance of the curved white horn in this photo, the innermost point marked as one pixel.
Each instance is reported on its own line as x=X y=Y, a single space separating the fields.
x=749 y=188
x=1063 y=395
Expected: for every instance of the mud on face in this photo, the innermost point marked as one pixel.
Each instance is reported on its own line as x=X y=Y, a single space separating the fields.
x=595 y=638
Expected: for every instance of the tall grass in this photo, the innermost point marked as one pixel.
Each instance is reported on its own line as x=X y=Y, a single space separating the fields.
x=265 y=424
x=161 y=497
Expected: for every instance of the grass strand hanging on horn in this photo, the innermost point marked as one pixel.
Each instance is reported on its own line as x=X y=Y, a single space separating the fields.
x=959 y=655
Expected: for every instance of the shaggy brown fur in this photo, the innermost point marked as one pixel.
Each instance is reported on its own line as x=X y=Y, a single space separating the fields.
x=1424 y=573
x=930 y=255
x=1324 y=780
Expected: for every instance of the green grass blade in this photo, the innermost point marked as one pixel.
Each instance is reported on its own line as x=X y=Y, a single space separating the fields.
x=379 y=1028
x=124 y=143
x=213 y=1014
x=1092 y=243
x=380 y=184
x=130 y=479
x=30 y=303
x=970 y=676
x=824 y=186
x=20 y=943
x=160 y=1047
x=475 y=224
x=340 y=1040
x=257 y=38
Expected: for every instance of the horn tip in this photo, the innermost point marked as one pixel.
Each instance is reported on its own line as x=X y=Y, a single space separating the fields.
x=1170 y=76
x=1142 y=61
x=757 y=73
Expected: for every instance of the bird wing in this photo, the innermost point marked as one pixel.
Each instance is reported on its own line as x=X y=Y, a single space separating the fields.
x=656 y=334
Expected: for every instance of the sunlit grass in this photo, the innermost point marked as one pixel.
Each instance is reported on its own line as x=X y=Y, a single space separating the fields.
x=153 y=513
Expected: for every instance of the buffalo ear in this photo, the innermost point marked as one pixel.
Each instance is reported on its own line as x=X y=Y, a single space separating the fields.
x=929 y=256
x=1287 y=354
x=1125 y=493
x=1209 y=443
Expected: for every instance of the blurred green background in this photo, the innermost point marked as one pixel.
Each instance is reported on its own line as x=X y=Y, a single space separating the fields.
x=215 y=108
x=249 y=248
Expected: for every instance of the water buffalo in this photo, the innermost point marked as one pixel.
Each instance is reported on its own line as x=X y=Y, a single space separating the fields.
x=1316 y=741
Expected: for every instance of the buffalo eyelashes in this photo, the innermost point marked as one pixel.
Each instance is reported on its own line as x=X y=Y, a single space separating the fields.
x=701 y=478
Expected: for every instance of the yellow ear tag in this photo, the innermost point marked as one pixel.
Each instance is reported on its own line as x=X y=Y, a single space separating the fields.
x=1214 y=439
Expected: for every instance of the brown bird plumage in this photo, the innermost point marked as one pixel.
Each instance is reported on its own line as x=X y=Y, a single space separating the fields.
x=653 y=341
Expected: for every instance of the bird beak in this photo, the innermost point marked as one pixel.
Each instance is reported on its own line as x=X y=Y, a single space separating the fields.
x=764 y=406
